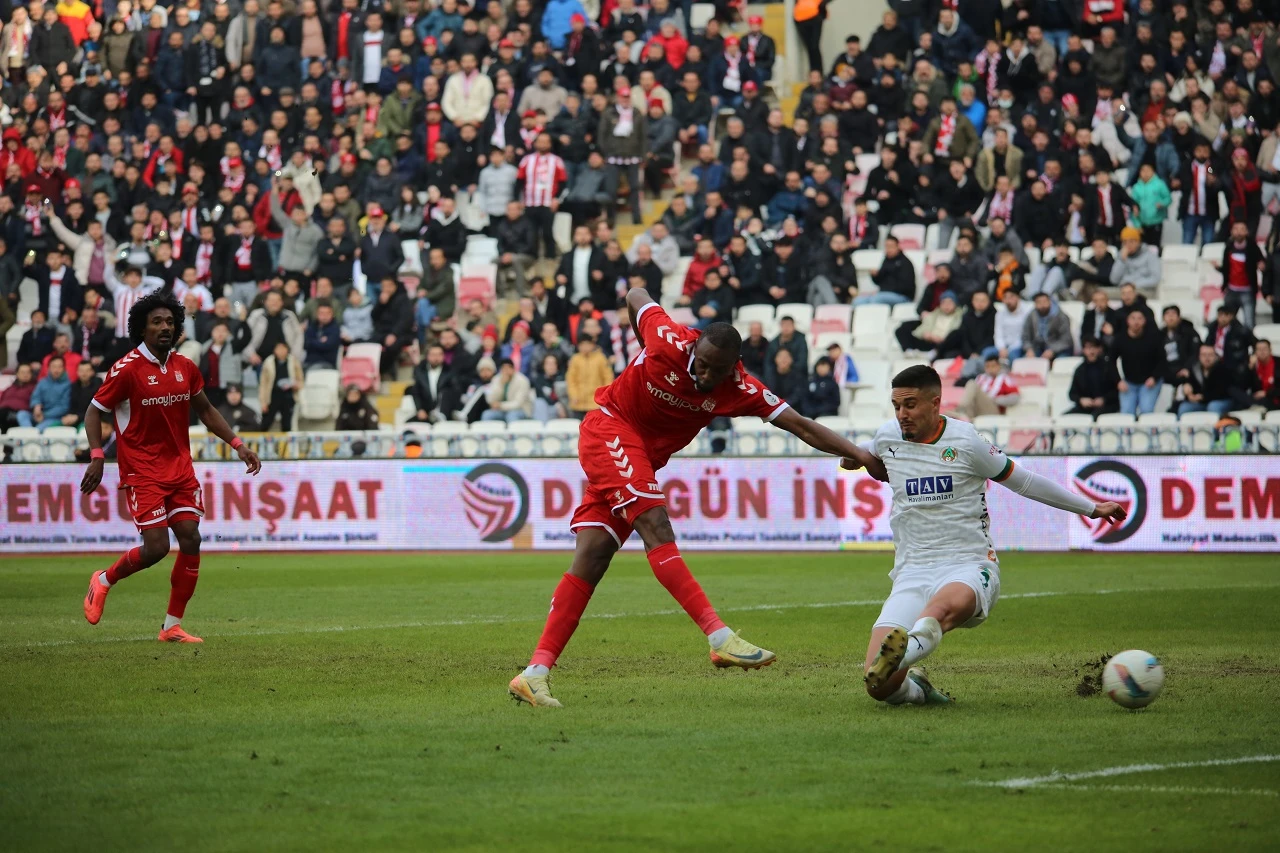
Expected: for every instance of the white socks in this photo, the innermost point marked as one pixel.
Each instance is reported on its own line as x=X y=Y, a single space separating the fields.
x=717 y=637
x=909 y=693
x=102 y=579
x=922 y=639
x=170 y=621
x=535 y=669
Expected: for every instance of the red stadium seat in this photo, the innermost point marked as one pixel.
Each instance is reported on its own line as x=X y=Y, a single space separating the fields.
x=360 y=372
x=951 y=396
x=827 y=324
x=476 y=287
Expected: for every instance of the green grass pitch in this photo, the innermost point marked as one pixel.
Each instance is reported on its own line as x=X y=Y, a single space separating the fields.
x=358 y=702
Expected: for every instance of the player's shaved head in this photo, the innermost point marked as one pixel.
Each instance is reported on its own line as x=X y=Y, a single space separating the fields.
x=917 y=401
x=714 y=356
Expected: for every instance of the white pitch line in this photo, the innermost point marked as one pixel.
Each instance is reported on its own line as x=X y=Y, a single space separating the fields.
x=496 y=620
x=1168 y=789
x=1123 y=770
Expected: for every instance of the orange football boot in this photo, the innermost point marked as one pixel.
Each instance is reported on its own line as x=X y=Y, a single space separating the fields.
x=177 y=635
x=95 y=599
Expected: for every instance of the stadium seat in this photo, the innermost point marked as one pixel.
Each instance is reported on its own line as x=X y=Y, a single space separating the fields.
x=682 y=315
x=1033 y=401
x=1073 y=433
x=822 y=340
x=320 y=402
x=756 y=314
x=1183 y=256
x=191 y=349
x=1065 y=365
x=360 y=367
x=839 y=313
x=836 y=424
x=61 y=443
x=1211 y=253
x=1029 y=371
x=870 y=323
x=951 y=396
x=1155 y=432
x=7 y=379
x=1113 y=433
x=801 y=312
x=1267 y=331
x=562 y=231
x=820 y=327
x=995 y=427
x=909 y=236
x=699 y=15
x=903 y=312
x=867 y=262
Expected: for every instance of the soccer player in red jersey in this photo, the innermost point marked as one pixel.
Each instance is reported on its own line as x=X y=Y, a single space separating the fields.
x=667 y=394
x=149 y=393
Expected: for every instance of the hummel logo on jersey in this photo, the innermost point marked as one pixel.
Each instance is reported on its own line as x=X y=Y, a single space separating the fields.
x=153 y=380
x=672 y=378
x=930 y=488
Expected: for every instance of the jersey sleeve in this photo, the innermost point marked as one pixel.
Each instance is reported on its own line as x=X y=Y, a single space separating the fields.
x=196 y=381
x=988 y=460
x=116 y=388
x=753 y=398
x=660 y=332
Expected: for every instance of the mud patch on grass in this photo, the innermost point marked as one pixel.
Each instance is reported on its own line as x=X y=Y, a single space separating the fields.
x=1090 y=673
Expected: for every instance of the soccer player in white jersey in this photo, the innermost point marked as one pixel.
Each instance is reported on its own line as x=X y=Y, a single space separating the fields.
x=945 y=572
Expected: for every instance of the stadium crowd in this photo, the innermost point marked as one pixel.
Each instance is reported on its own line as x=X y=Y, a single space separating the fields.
x=312 y=177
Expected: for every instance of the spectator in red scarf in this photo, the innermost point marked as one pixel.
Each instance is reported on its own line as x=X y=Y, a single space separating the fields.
x=1244 y=191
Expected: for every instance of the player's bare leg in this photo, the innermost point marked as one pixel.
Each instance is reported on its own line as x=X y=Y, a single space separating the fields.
x=727 y=648
x=183 y=578
x=591 y=557
x=154 y=548
x=893 y=652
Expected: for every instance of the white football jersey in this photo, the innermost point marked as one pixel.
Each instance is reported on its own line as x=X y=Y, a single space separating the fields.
x=939 y=514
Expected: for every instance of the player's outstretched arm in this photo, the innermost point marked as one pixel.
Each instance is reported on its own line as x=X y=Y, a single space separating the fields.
x=637 y=298
x=93 y=432
x=819 y=437
x=1046 y=491
x=218 y=425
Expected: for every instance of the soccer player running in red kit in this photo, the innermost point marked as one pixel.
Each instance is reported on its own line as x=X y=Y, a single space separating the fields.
x=149 y=393
x=667 y=394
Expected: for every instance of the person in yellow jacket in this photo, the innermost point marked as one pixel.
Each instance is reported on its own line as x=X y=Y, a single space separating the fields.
x=76 y=15
x=588 y=371
x=809 y=15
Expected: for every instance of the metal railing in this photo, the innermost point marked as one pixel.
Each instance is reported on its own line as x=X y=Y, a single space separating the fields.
x=1057 y=440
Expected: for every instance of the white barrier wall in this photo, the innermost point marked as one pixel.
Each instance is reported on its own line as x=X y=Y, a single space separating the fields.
x=1212 y=503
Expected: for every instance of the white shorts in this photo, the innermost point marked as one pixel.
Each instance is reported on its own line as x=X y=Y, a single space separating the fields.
x=913 y=588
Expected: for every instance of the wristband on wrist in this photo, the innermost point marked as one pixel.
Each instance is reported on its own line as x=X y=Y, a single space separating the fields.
x=97 y=453
x=237 y=443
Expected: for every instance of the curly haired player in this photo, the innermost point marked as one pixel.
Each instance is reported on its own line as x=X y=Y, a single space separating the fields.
x=666 y=395
x=149 y=394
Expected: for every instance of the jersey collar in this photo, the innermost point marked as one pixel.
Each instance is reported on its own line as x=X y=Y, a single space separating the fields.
x=149 y=356
x=689 y=369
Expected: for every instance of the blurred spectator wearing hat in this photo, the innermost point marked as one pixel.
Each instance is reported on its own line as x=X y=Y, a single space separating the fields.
x=380 y=253
x=728 y=72
x=621 y=136
x=760 y=48
x=357 y=412
x=1136 y=263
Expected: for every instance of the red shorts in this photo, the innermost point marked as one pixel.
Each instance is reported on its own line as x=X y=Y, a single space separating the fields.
x=621 y=483
x=156 y=505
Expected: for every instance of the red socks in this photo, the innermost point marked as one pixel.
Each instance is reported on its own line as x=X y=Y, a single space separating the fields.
x=182 y=580
x=128 y=563
x=567 y=604
x=672 y=573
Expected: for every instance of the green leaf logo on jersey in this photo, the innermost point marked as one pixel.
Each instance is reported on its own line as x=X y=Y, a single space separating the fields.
x=949 y=454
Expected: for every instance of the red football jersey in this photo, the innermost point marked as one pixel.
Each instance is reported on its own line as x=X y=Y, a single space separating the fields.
x=657 y=397
x=151 y=406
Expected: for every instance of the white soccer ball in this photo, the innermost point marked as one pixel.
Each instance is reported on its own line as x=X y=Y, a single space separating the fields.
x=1133 y=679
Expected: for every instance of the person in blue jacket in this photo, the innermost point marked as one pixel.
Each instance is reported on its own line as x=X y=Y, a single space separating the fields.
x=555 y=20
x=51 y=400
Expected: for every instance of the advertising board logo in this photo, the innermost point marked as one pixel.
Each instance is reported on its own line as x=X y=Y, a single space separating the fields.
x=497 y=501
x=1109 y=480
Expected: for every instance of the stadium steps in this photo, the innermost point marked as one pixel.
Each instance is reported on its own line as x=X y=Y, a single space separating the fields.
x=389 y=400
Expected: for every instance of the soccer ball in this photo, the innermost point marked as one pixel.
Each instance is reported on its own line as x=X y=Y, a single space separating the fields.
x=1133 y=679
